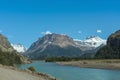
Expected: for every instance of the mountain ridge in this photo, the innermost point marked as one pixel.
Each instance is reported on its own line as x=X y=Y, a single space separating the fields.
x=55 y=45
x=52 y=45
x=90 y=43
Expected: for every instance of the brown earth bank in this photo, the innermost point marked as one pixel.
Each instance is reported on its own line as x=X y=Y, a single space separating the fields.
x=12 y=73
x=99 y=64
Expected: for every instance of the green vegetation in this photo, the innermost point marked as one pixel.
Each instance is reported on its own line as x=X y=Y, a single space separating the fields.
x=108 y=53
x=112 y=49
x=9 y=58
x=55 y=59
x=32 y=69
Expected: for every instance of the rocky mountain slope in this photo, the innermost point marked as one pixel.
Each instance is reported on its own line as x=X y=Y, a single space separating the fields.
x=19 y=47
x=57 y=45
x=5 y=44
x=53 y=45
x=9 y=56
x=90 y=45
x=112 y=49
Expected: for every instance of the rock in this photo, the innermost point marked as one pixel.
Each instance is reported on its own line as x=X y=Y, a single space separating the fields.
x=8 y=55
x=53 y=45
x=112 y=49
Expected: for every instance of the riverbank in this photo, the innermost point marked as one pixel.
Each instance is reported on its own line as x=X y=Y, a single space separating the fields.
x=12 y=73
x=99 y=64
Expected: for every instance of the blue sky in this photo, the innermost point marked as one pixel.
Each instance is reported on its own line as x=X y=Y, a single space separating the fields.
x=24 y=21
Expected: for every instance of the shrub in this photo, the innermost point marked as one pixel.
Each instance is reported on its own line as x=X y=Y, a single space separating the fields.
x=9 y=58
x=32 y=69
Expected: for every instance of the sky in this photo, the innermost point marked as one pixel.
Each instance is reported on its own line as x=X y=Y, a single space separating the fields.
x=24 y=21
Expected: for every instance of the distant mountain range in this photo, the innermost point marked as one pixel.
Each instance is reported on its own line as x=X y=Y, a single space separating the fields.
x=59 y=45
x=90 y=43
x=56 y=45
x=53 y=45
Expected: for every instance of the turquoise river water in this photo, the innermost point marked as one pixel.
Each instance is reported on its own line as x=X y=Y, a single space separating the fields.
x=73 y=73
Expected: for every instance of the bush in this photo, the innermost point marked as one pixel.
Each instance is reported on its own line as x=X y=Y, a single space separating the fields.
x=32 y=69
x=9 y=58
x=108 y=52
x=54 y=59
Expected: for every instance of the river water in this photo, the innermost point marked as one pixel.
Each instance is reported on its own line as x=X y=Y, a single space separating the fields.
x=73 y=73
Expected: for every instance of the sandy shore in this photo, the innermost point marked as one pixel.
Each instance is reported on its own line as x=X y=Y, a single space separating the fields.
x=101 y=64
x=11 y=73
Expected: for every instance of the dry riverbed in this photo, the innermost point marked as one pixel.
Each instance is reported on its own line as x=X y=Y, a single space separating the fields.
x=101 y=64
x=11 y=73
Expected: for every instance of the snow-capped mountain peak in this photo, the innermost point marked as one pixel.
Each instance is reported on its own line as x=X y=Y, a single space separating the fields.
x=95 y=41
x=92 y=41
x=19 y=47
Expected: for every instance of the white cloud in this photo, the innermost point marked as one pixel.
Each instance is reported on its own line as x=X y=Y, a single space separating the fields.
x=99 y=31
x=80 y=32
x=47 y=32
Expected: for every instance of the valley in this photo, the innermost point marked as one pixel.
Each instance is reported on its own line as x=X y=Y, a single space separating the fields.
x=59 y=39
x=57 y=50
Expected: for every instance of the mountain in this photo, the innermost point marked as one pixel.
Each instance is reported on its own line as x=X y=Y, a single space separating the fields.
x=114 y=39
x=90 y=46
x=112 y=49
x=53 y=45
x=19 y=47
x=9 y=56
x=90 y=43
x=5 y=44
x=57 y=45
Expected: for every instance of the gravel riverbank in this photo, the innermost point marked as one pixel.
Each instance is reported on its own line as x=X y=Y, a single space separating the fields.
x=12 y=73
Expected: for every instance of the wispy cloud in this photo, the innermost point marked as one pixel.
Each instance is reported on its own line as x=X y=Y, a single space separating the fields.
x=47 y=32
x=99 y=31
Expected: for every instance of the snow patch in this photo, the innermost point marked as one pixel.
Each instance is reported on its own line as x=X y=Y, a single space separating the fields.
x=93 y=41
x=19 y=47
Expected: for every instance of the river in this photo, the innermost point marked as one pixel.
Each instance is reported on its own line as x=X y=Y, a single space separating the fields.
x=73 y=73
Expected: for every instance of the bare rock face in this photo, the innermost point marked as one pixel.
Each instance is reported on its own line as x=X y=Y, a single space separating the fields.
x=53 y=45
